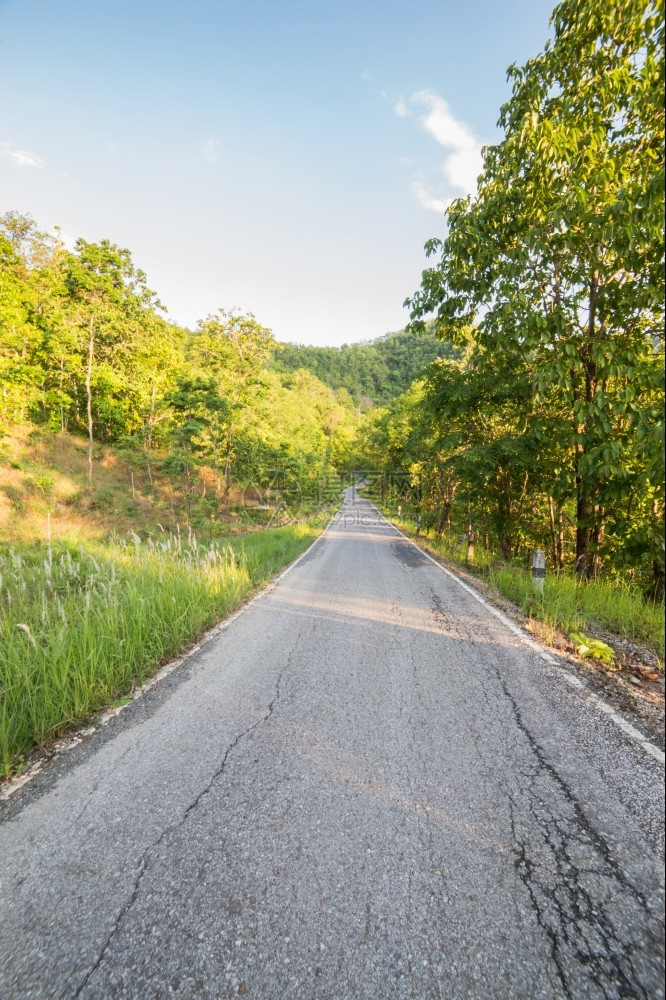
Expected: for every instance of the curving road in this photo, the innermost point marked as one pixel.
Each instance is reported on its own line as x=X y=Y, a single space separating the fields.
x=366 y=787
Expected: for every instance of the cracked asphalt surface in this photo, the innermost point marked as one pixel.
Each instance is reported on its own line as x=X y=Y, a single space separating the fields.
x=366 y=787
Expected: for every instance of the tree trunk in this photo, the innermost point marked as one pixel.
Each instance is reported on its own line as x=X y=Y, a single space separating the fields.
x=218 y=485
x=597 y=537
x=188 y=491
x=91 y=348
x=583 y=502
x=583 y=513
x=447 y=495
x=586 y=522
x=553 y=534
x=656 y=591
x=505 y=543
x=470 y=536
x=444 y=518
x=62 y=409
x=150 y=434
x=227 y=466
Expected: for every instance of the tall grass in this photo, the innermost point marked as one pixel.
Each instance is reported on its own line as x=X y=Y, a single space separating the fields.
x=569 y=605
x=79 y=627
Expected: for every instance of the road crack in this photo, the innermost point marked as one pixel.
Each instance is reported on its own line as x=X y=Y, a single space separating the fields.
x=145 y=856
x=600 y=926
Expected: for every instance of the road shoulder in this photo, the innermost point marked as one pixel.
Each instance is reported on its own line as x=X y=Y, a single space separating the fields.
x=641 y=704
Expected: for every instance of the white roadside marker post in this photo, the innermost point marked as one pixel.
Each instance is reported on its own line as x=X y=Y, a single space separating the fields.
x=538 y=570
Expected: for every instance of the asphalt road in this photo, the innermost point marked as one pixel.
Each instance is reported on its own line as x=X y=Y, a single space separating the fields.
x=366 y=787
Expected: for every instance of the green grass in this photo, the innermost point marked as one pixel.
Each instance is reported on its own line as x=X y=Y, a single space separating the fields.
x=570 y=606
x=81 y=626
x=565 y=605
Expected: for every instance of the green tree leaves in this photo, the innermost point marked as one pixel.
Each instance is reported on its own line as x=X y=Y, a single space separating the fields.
x=560 y=256
x=83 y=346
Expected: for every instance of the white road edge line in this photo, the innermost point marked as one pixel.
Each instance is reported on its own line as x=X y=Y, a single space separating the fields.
x=78 y=736
x=590 y=696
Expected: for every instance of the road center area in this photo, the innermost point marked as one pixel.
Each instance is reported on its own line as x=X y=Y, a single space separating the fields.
x=366 y=786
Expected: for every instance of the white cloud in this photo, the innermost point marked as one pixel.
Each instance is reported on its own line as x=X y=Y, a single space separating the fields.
x=20 y=157
x=462 y=170
x=464 y=163
x=211 y=150
x=400 y=108
x=441 y=124
x=428 y=200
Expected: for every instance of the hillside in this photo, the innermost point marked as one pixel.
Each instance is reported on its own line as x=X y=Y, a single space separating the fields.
x=44 y=494
x=373 y=371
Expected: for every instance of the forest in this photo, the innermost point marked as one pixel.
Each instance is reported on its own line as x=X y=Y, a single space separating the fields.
x=374 y=372
x=521 y=408
x=85 y=349
x=549 y=431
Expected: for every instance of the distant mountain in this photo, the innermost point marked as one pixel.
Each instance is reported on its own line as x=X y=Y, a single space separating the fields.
x=372 y=371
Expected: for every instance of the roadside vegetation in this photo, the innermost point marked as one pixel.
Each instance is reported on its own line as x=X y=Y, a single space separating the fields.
x=548 y=432
x=522 y=409
x=151 y=477
x=81 y=626
x=568 y=604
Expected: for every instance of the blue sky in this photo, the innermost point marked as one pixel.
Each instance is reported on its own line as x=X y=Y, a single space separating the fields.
x=287 y=158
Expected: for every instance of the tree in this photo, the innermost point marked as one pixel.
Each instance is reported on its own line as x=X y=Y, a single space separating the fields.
x=108 y=296
x=20 y=376
x=27 y=259
x=233 y=349
x=562 y=251
x=197 y=406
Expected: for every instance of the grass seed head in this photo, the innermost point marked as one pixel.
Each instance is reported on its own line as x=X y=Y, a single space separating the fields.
x=26 y=629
